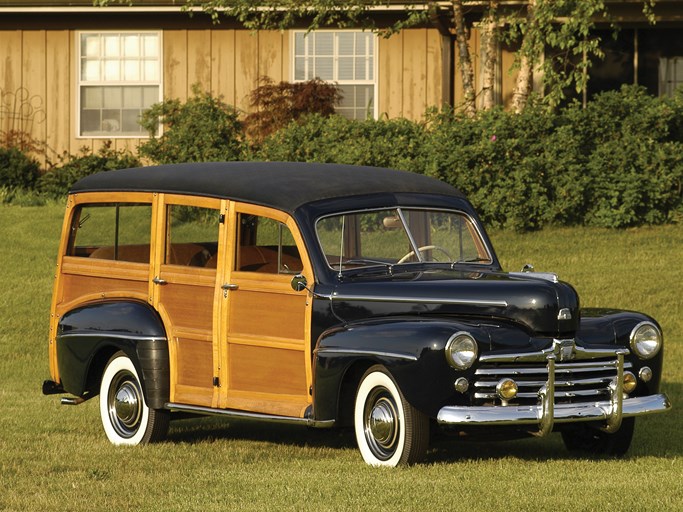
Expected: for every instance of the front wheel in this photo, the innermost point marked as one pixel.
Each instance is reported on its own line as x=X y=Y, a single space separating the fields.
x=584 y=438
x=125 y=416
x=389 y=431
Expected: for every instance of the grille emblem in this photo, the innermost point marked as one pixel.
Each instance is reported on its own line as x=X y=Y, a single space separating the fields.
x=564 y=349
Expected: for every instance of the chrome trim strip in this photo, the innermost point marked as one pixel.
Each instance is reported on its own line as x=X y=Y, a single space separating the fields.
x=107 y=334
x=412 y=300
x=249 y=415
x=560 y=369
x=564 y=413
x=350 y=351
x=559 y=349
x=594 y=381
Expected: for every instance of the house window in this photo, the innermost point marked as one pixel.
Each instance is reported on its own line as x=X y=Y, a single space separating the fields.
x=670 y=75
x=119 y=77
x=345 y=57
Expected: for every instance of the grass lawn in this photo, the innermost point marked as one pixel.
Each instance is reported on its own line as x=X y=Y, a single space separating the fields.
x=57 y=458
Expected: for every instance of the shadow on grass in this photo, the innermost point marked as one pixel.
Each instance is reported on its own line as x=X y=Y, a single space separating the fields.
x=655 y=436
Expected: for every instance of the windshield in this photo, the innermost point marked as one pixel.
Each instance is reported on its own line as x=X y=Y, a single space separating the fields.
x=400 y=235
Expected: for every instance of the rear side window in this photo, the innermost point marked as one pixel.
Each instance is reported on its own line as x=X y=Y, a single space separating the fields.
x=116 y=231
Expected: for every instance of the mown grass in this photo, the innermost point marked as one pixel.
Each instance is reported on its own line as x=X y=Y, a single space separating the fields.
x=57 y=458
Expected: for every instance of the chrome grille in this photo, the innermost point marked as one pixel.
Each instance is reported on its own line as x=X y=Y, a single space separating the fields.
x=575 y=381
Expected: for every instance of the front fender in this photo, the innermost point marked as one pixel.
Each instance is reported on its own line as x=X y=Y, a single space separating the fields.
x=89 y=335
x=411 y=349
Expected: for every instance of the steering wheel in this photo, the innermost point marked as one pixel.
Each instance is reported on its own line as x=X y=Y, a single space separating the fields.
x=422 y=249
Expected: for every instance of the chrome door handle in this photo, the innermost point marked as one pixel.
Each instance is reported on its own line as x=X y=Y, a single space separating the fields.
x=229 y=286
x=158 y=280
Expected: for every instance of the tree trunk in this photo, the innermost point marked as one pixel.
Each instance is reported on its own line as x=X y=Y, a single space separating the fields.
x=490 y=55
x=464 y=59
x=524 y=81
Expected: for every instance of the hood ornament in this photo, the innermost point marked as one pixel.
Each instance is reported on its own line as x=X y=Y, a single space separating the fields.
x=564 y=314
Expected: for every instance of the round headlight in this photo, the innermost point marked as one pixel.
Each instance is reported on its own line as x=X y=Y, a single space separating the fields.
x=461 y=350
x=646 y=340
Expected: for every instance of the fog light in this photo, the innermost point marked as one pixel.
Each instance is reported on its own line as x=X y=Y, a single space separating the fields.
x=506 y=389
x=645 y=374
x=462 y=385
x=630 y=382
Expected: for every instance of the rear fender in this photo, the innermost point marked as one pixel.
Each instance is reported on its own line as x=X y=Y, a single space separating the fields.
x=89 y=335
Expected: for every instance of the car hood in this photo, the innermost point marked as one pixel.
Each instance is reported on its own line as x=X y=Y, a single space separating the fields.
x=541 y=304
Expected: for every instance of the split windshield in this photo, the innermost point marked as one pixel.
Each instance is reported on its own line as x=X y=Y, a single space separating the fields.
x=398 y=236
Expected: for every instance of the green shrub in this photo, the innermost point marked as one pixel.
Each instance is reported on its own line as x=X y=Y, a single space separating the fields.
x=201 y=129
x=396 y=143
x=57 y=182
x=17 y=170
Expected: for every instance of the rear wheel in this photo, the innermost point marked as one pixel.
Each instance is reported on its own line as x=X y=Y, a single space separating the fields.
x=584 y=438
x=389 y=430
x=125 y=416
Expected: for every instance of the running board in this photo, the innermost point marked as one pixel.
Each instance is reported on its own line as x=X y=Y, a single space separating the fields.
x=196 y=409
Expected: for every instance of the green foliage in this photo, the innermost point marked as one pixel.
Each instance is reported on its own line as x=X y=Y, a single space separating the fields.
x=17 y=170
x=199 y=130
x=396 y=143
x=56 y=182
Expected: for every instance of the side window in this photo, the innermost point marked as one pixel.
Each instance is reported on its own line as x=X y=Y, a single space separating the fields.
x=192 y=236
x=117 y=231
x=266 y=245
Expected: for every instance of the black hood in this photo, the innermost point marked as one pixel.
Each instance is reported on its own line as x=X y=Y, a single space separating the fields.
x=540 y=304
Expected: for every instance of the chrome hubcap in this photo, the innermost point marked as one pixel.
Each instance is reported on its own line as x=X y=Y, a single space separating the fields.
x=125 y=405
x=381 y=424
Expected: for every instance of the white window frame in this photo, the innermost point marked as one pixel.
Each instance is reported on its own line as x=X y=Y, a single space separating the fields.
x=105 y=83
x=335 y=69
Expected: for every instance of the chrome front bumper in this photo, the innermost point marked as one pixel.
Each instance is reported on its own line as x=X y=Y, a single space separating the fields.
x=546 y=413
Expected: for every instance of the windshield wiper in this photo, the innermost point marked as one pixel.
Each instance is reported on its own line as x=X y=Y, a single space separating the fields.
x=470 y=260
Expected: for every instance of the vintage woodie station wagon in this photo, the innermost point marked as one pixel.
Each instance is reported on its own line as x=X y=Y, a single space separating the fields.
x=329 y=295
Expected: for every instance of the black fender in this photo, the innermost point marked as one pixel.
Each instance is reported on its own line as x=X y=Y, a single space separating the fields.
x=412 y=350
x=612 y=327
x=89 y=335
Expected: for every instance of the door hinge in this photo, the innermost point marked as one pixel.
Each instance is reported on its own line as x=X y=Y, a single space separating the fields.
x=216 y=382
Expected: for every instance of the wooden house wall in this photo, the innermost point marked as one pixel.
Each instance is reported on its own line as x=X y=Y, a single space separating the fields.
x=412 y=73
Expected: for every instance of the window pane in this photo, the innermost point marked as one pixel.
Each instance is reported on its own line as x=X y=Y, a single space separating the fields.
x=324 y=68
x=299 y=43
x=150 y=96
x=151 y=45
x=131 y=71
x=112 y=70
x=111 y=45
x=267 y=246
x=129 y=121
x=192 y=237
x=91 y=97
x=345 y=41
x=324 y=43
x=151 y=71
x=300 y=69
x=131 y=45
x=90 y=70
x=90 y=45
x=111 y=121
x=90 y=122
x=112 y=232
x=345 y=69
x=112 y=97
x=132 y=97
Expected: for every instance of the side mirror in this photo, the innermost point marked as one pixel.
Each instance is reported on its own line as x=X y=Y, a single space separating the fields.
x=299 y=283
x=528 y=268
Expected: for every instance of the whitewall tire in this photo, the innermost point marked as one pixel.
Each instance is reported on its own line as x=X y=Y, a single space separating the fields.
x=389 y=431
x=125 y=416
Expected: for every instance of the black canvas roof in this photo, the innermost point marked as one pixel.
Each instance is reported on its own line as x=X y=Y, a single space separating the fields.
x=282 y=185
